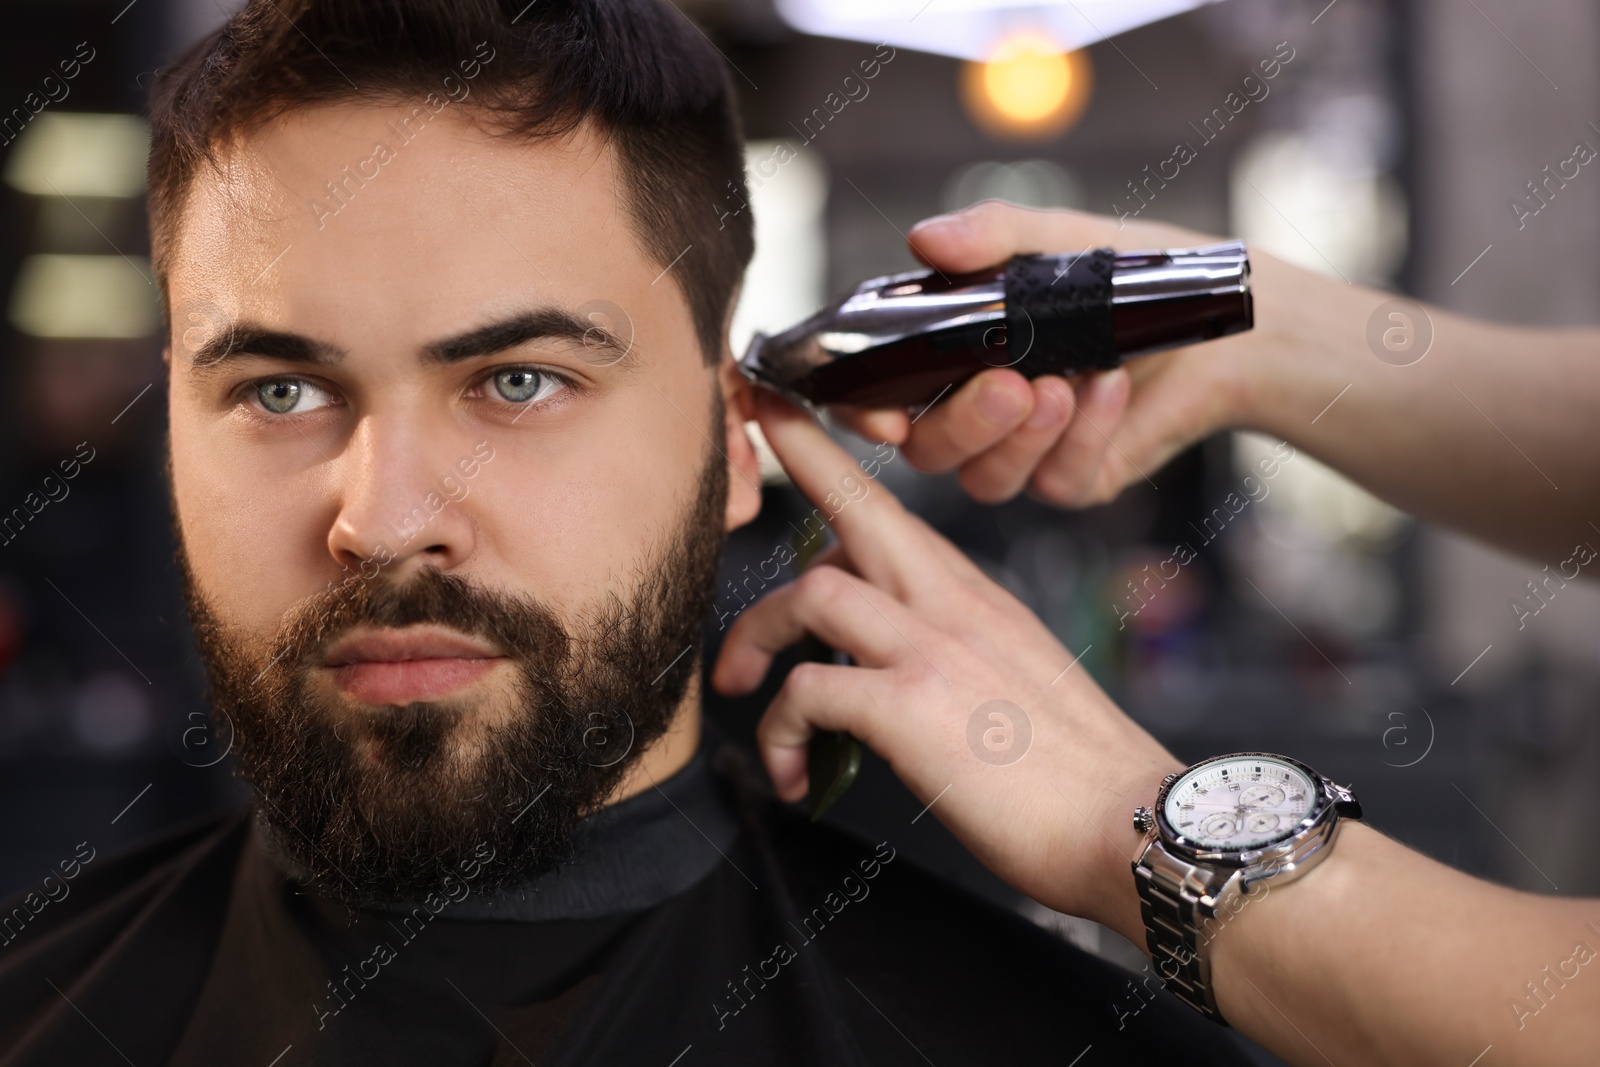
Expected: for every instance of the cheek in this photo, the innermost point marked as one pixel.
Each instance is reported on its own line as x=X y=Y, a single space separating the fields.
x=255 y=538
x=572 y=524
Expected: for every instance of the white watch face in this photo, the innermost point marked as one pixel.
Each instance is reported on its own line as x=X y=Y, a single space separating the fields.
x=1239 y=803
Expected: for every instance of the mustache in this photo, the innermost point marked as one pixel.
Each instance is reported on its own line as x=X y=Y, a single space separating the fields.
x=522 y=627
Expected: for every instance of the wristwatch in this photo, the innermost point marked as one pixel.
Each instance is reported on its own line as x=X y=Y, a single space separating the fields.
x=1221 y=834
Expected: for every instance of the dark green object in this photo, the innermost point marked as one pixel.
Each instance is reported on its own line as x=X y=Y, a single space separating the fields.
x=833 y=761
x=833 y=757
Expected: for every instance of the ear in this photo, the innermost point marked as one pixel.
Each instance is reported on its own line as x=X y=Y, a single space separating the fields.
x=744 y=474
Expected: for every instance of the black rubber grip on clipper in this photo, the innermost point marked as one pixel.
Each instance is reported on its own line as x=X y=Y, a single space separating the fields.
x=1058 y=313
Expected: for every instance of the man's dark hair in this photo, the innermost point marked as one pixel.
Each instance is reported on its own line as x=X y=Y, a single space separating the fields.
x=637 y=69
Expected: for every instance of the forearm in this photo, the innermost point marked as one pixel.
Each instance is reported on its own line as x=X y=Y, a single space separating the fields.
x=1492 y=431
x=1381 y=956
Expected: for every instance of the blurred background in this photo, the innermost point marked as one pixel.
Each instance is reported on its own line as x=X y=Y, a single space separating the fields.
x=1390 y=145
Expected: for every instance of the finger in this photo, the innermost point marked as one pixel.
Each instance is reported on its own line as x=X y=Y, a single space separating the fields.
x=835 y=556
x=875 y=424
x=971 y=420
x=992 y=231
x=1004 y=470
x=817 y=696
x=888 y=545
x=1071 y=473
x=842 y=611
x=902 y=553
x=1172 y=405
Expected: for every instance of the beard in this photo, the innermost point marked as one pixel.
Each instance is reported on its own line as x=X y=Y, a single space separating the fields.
x=376 y=805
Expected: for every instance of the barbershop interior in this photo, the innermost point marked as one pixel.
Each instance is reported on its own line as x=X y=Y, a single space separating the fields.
x=1243 y=598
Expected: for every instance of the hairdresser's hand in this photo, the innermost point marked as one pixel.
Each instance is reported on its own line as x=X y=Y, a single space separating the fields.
x=1070 y=442
x=1040 y=787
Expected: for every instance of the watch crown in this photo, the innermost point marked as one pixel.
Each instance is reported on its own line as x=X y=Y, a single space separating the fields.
x=1345 y=801
x=1144 y=819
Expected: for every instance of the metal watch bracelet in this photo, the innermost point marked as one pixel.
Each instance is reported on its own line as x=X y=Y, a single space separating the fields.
x=1176 y=900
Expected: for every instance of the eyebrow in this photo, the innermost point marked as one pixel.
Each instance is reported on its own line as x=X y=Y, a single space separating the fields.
x=240 y=339
x=528 y=326
x=243 y=339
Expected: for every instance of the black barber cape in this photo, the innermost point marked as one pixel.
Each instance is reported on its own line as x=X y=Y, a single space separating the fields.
x=704 y=924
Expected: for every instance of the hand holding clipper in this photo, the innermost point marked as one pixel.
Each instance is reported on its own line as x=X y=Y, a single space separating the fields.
x=908 y=338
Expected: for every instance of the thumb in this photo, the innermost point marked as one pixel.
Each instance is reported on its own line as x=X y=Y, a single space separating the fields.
x=991 y=232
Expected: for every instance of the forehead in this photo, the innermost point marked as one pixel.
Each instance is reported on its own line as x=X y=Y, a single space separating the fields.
x=353 y=213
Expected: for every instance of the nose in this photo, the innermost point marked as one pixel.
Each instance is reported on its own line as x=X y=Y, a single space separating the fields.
x=403 y=499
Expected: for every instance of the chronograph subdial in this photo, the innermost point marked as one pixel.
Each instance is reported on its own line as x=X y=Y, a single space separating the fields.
x=1264 y=795
x=1261 y=822
x=1219 y=826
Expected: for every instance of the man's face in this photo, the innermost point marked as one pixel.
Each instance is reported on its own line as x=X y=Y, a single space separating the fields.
x=402 y=468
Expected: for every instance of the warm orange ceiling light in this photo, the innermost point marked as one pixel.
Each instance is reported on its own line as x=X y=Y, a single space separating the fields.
x=1028 y=89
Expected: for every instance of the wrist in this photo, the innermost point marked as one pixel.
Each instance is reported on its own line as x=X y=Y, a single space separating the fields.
x=1117 y=903
x=1274 y=927
x=1297 y=357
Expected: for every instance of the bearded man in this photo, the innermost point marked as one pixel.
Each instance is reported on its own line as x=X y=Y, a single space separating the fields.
x=455 y=440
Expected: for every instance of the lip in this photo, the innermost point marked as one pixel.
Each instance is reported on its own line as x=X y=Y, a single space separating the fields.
x=413 y=664
x=411 y=643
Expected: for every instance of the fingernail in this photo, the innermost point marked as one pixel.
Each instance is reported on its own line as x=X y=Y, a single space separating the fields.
x=1107 y=384
x=949 y=224
x=999 y=405
x=1046 y=409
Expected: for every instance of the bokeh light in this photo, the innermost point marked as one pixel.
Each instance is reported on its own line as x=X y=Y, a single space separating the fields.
x=1029 y=89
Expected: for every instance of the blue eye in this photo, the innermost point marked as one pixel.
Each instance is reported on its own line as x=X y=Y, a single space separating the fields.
x=520 y=385
x=279 y=397
x=288 y=396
